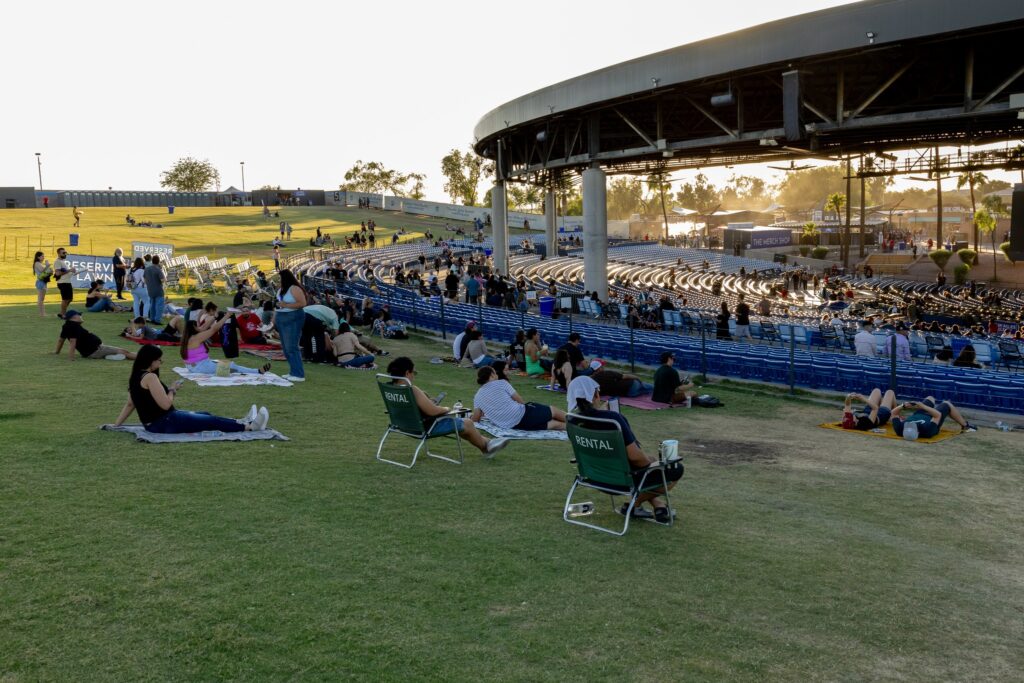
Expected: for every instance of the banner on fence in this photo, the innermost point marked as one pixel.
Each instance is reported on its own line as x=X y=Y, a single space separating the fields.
x=91 y=268
x=164 y=251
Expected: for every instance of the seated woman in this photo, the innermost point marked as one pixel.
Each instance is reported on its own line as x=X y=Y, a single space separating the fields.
x=154 y=402
x=98 y=300
x=562 y=370
x=402 y=368
x=476 y=350
x=585 y=399
x=209 y=315
x=966 y=358
x=535 y=351
x=195 y=353
x=498 y=401
x=348 y=352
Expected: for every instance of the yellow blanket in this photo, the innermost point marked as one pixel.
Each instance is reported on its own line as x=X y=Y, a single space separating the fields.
x=888 y=432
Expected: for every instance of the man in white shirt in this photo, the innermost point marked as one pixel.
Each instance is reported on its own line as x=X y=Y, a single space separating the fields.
x=65 y=274
x=864 y=341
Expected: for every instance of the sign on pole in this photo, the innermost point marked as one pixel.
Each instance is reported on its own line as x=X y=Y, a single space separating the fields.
x=164 y=251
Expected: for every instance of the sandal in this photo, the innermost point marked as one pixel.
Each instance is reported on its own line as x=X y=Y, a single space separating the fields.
x=265 y=369
x=663 y=515
x=638 y=512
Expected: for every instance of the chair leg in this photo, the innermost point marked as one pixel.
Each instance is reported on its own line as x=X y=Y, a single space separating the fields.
x=415 y=454
x=613 y=532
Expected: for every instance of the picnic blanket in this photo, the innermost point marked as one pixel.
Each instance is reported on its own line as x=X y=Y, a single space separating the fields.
x=548 y=387
x=887 y=432
x=245 y=347
x=542 y=435
x=234 y=379
x=152 y=437
x=643 y=403
x=269 y=354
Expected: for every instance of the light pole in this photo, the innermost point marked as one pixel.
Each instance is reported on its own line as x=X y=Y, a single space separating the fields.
x=39 y=165
x=242 y=164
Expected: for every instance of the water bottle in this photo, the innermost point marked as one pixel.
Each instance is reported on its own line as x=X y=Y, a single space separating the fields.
x=581 y=509
x=457 y=407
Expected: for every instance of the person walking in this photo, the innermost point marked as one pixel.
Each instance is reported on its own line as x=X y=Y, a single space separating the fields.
x=43 y=272
x=137 y=286
x=276 y=255
x=289 y=319
x=120 y=271
x=154 y=278
x=77 y=213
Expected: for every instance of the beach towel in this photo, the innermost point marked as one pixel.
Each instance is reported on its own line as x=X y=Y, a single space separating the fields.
x=233 y=380
x=887 y=432
x=268 y=354
x=644 y=403
x=152 y=437
x=542 y=435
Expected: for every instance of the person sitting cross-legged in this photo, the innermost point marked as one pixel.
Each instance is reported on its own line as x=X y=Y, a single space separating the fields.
x=498 y=401
x=401 y=368
x=348 y=351
x=927 y=418
x=668 y=385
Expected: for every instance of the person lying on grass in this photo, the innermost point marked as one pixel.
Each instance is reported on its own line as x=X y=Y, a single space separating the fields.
x=876 y=412
x=139 y=330
x=194 y=351
x=927 y=418
x=585 y=396
x=404 y=371
x=498 y=401
x=86 y=343
x=154 y=401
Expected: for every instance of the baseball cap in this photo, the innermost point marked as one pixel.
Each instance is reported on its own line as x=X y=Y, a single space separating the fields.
x=910 y=432
x=71 y=313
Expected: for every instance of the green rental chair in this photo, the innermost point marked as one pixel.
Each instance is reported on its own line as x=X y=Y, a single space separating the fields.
x=404 y=418
x=603 y=465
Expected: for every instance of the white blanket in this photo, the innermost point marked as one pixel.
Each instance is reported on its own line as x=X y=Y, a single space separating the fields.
x=498 y=432
x=235 y=379
x=152 y=437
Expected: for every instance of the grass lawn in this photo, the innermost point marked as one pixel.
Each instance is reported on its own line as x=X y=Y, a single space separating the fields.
x=799 y=553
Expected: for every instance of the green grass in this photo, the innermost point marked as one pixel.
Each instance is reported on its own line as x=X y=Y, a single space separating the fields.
x=799 y=554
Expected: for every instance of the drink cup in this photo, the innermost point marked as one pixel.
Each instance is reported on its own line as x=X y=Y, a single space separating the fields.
x=668 y=450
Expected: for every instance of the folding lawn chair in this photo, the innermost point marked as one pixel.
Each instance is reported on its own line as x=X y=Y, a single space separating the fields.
x=602 y=463
x=404 y=418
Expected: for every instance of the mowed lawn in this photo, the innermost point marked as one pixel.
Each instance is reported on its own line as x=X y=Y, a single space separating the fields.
x=799 y=553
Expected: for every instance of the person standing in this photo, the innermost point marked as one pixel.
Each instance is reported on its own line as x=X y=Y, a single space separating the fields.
x=154 y=279
x=120 y=271
x=742 y=319
x=65 y=274
x=43 y=272
x=722 y=322
x=276 y=255
x=289 y=319
x=137 y=285
x=77 y=213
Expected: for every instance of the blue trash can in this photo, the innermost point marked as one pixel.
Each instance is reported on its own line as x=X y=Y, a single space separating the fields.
x=547 y=305
x=170 y=209
x=73 y=239
x=488 y=252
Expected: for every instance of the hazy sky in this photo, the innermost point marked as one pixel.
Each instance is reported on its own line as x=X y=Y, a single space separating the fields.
x=112 y=93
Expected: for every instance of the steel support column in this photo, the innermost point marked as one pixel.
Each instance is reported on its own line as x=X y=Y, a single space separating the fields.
x=595 y=232
x=499 y=227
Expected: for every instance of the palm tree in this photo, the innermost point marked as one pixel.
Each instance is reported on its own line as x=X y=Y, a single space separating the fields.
x=810 y=233
x=971 y=179
x=835 y=202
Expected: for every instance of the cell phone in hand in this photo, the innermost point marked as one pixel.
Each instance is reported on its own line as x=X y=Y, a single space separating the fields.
x=440 y=397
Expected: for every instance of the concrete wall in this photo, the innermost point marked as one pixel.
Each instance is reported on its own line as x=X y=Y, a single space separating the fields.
x=17 y=198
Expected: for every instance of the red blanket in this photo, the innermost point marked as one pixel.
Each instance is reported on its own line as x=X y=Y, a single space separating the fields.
x=255 y=347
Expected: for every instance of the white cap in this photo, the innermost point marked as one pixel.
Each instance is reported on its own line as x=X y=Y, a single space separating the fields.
x=910 y=432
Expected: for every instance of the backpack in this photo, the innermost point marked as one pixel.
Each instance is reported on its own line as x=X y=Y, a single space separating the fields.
x=707 y=401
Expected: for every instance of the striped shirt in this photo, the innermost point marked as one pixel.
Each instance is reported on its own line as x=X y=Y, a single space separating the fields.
x=495 y=400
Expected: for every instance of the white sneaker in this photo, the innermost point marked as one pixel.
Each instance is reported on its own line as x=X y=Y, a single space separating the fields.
x=495 y=445
x=266 y=328
x=262 y=418
x=292 y=378
x=116 y=356
x=250 y=417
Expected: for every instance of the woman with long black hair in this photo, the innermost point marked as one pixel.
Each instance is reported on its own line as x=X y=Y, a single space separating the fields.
x=193 y=344
x=154 y=401
x=291 y=299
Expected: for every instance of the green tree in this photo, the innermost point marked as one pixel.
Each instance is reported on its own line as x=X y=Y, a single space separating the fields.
x=972 y=179
x=463 y=173
x=810 y=233
x=940 y=257
x=658 y=184
x=745 y=192
x=625 y=195
x=986 y=219
x=802 y=190
x=700 y=196
x=523 y=197
x=835 y=202
x=191 y=175
x=375 y=177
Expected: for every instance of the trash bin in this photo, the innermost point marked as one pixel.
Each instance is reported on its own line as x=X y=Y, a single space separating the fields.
x=547 y=306
x=170 y=209
x=488 y=252
x=73 y=239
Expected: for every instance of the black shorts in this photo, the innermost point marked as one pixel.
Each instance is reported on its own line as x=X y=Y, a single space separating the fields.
x=535 y=418
x=673 y=472
x=67 y=292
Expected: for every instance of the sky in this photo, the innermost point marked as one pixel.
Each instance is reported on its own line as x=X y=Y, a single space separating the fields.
x=112 y=93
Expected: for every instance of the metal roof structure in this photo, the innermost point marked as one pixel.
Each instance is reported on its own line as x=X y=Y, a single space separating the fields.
x=861 y=78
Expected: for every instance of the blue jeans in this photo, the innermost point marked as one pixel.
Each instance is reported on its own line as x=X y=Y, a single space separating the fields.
x=184 y=422
x=208 y=366
x=156 y=308
x=357 y=362
x=484 y=362
x=102 y=305
x=140 y=301
x=638 y=387
x=289 y=326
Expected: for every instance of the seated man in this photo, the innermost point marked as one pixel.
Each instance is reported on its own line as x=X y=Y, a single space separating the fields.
x=876 y=412
x=249 y=325
x=669 y=387
x=403 y=367
x=927 y=419
x=87 y=343
x=498 y=401
x=576 y=357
